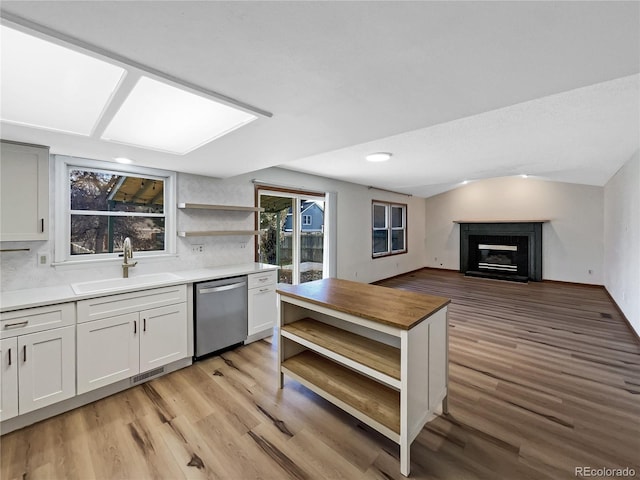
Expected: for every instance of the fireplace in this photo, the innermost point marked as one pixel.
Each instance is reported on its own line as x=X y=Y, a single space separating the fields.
x=502 y=250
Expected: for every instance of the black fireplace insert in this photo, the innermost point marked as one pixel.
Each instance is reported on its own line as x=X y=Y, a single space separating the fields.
x=506 y=251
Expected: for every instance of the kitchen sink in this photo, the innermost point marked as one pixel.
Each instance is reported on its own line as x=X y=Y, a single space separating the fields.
x=116 y=284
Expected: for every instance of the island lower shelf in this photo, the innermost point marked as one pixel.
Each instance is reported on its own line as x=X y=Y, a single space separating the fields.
x=349 y=390
x=371 y=357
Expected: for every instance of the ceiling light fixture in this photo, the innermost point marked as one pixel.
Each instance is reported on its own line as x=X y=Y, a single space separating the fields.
x=524 y=175
x=123 y=160
x=379 y=157
x=464 y=182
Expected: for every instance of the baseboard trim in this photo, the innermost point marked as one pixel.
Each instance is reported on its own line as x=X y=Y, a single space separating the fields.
x=576 y=284
x=398 y=275
x=624 y=317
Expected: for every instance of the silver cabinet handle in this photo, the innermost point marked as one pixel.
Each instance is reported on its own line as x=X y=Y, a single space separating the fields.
x=16 y=325
x=222 y=288
x=262 y=290
x=263 y=279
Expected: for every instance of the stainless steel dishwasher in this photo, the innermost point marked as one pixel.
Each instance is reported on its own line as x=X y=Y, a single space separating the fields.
x=220 y=315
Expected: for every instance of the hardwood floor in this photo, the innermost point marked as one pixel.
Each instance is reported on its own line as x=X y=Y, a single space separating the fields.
x=544 y=377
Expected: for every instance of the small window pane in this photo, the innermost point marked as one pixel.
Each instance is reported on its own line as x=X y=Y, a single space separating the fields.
x=397 y=240
x=397 y=220
x=104 y=234
x=380 y=241
x=379 y=216
x=111 y=192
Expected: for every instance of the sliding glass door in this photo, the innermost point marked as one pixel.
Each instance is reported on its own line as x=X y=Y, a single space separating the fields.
x=292 y=229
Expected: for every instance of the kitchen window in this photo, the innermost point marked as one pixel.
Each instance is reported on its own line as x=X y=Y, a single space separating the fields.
x=389 y=228
x=103 y=203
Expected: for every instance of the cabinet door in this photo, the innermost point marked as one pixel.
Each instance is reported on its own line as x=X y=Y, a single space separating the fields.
x=164 y=336
x=24 y=192
x=108 y=351
x=262 y=309
x=47 y=362
x=9 y=378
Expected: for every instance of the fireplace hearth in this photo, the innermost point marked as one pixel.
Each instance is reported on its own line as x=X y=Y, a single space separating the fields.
x=501 y=250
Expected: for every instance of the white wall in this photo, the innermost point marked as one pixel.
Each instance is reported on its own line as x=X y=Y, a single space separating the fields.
x=622 y=239
x=572 y=242
x=19 y=270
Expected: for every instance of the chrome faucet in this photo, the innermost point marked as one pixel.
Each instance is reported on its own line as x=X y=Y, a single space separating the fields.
x=127 y=253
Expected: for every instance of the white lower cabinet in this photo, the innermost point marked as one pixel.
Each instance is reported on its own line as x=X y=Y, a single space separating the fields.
x=38 y=361
x=262 y=307
x=116 y=347
x=164 y=336
x=108 y=351
x=46 y=368
x=9 y=378
x=38 y=369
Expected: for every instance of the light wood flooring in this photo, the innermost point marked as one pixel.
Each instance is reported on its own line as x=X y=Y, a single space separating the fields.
x=544 y=377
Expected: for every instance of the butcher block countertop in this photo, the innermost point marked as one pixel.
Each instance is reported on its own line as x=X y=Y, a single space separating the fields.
x=390 y=306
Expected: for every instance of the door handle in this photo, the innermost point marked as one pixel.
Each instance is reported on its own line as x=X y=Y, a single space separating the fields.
x=222 y=288
x=9 y=357
x=144 y=324
x=135 y=327
x=16 y=325
x=42 y=225
x=24 y=353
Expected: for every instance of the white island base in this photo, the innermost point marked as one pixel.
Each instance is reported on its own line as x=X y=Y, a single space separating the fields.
x=377 y=353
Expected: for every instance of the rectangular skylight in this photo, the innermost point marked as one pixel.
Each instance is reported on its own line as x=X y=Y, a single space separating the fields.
x=49 y=86
x=161 y=117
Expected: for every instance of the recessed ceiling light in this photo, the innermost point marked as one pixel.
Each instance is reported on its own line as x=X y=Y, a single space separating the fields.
x=378 y=157
x=124 y=160
x=49 y=86
x=464 y=182
x=524 y=175
x=162 y=117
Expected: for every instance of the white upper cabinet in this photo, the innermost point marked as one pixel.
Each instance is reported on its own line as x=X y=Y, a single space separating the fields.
x=24 y=192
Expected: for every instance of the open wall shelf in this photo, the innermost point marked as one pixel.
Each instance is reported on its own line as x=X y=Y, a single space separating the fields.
x=228 y=208
x=218 y=233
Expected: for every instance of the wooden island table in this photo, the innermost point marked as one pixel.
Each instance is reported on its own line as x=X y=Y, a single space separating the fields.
x=380 y=354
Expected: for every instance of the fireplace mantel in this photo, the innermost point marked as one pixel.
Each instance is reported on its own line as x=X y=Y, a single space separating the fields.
x=501 y=221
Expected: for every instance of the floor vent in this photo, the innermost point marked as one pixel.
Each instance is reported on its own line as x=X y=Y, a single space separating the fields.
x=146 y=375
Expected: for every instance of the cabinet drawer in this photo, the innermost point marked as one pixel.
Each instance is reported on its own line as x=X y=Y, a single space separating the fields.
x=261 y=279
x=103 y=307
x=31 y=320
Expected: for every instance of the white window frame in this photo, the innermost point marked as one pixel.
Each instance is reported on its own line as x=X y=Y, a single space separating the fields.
x=329 y=261
x=63 y=165
x=305 y=218
x=389 y=228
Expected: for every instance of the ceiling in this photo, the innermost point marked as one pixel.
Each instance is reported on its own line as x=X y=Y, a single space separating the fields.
x=455 y=90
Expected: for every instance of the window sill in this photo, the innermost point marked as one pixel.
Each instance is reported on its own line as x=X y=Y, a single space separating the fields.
x=384 y=255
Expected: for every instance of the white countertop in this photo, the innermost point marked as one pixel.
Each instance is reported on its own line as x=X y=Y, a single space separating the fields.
x=36 y=297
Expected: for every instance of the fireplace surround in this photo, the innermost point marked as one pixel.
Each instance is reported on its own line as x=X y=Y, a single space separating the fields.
x=502 y=250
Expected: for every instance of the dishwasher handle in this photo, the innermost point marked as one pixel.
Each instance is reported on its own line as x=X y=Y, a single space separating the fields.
x=222 y=288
